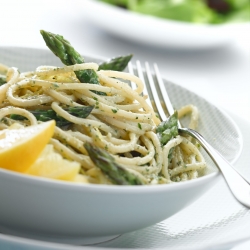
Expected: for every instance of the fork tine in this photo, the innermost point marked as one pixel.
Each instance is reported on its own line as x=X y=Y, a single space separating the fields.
x=131 y=71
x=164 y=93
x=154 y=92
x=155 y=87
x=141 y=76
x=163 y=90
x=140 y=71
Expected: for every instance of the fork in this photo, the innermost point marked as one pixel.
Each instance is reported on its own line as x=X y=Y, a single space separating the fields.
x=154 y=85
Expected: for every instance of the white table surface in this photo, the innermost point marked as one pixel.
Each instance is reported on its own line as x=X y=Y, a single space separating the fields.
x=221 y=75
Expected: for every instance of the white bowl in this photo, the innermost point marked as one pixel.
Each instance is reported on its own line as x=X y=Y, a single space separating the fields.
x=158 y=32
x=91 y=213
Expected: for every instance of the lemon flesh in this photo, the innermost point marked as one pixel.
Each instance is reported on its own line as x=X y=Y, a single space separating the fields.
x=51 y=164
x=19 y=148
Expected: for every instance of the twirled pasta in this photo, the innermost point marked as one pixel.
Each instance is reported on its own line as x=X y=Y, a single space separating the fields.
x=121 y=122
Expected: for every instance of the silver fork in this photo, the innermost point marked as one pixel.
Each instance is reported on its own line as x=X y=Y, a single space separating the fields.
x=238 y=185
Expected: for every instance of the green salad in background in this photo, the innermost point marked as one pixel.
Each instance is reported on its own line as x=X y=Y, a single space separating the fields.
x=195 y=11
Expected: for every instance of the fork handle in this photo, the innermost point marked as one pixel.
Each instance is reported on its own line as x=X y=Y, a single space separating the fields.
x=239 y=186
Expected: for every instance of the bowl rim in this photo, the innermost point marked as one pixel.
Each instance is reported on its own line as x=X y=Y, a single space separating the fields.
x=54 y=183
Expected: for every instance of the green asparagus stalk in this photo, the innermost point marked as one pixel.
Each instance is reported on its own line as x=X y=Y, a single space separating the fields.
x=69 y=56
x=2 y=80
x=47 y=115
x=168 y=129
x=117 y=174
x=117 y=63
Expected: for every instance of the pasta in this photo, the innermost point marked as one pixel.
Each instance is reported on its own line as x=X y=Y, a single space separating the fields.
x=121 y=122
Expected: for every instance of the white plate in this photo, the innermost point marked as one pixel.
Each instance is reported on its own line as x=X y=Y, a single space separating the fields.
x=216 y=221
x=215 y=125
x=243 y=246
x=155 y=31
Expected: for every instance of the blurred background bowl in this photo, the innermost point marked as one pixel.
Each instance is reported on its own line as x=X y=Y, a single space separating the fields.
x=159 y=32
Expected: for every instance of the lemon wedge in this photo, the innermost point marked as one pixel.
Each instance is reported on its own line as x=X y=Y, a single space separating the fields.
x=20 y=147
x=51 y=164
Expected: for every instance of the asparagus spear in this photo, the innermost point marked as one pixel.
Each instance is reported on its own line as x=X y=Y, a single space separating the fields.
x=168 y=129
x=68 y=55
x=47 y=115
x=2 y=79
x=107 y=164
x=117 y=63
